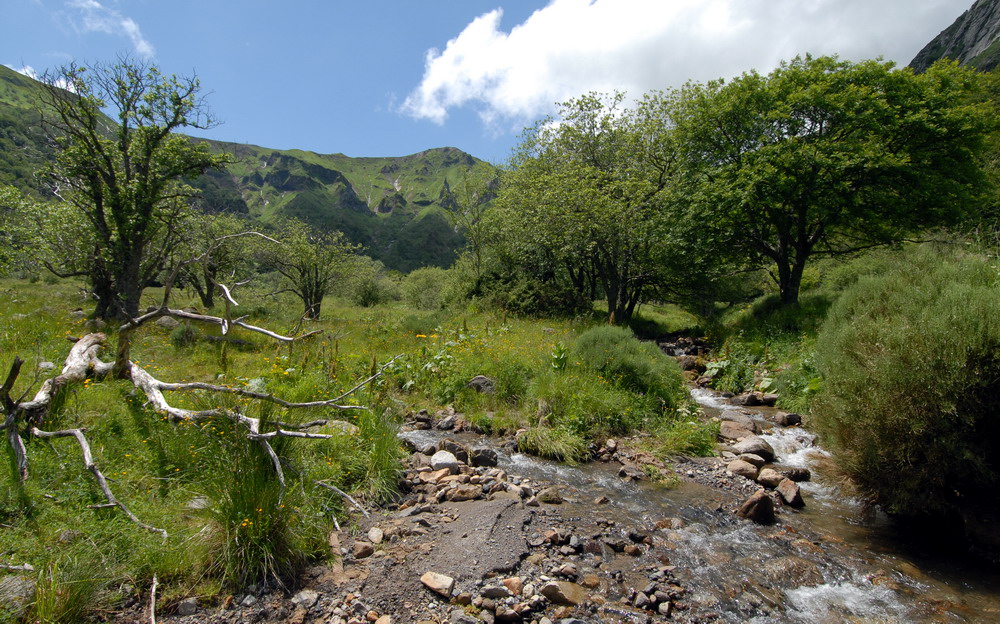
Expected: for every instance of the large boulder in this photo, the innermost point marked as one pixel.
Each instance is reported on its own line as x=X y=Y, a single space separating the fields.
x=730 y=430
x=564 y=592
x=482 y=384
x=755 y=445
x=743 y=469
x=459 y=450
x=758 y=508
x=445 y=460
x=790 y=493
x=770 y=478
x=483 y=456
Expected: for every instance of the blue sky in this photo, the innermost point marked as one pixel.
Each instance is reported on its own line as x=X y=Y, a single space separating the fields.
x=394 y=77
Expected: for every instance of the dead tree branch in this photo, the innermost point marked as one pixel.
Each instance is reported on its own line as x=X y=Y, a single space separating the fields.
x=344 y=494
x=88 y=461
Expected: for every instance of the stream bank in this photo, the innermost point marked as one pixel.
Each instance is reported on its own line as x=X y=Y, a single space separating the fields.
x=512 y=538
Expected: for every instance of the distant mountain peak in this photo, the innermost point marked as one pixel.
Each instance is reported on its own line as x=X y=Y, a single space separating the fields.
x=973 y=39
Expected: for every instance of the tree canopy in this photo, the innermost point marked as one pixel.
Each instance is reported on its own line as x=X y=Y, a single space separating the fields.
x=125 y=174
x=824 y=156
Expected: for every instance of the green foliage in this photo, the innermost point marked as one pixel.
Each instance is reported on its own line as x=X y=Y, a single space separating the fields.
x=824 y=156
x=641 y=367
x=554 y=443
x=684 y=433
x=909 y=392
x=422 y=288
x=590 y=406
x=310 y=262
x=126 y=177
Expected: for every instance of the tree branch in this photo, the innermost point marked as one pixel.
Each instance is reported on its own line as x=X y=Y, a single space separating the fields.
x=88 y=462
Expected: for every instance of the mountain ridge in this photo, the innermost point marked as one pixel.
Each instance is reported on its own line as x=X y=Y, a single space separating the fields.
x=397 y=207
x=972 y=39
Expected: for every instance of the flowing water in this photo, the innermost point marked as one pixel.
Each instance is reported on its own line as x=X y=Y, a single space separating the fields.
x=834 y=561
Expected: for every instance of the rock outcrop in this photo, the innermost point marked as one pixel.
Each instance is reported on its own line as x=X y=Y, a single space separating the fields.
x=973 y=39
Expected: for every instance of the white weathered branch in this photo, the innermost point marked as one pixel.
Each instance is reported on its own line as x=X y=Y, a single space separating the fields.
x=81 y=363
x=260 y=396
x=344 y=494
x=214 y=320
x=88 y=461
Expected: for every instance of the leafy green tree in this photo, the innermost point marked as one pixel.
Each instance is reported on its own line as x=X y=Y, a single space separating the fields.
x=310 y=262
x=125 y=175
x=584 y=198
x=468 y=207
x=223 y=249
x=15 y=237
x=824 y=157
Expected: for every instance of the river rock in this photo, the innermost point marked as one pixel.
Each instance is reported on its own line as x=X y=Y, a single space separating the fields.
x=514 y=585
x=730 y=430
x=483 y=457
x=447 y=423
x=742 y=468
x=748 y=399
x=769 y=478
x=482 y=384
x=550 y=495
x=792 y=571
x=795 y=473
x=750 y=458
x=756 y=445
x=464 y=493
x=445 y=460
x=305 y=598
x=438 y=583
x=790 y=493
x=362 y=550
x=787 y=420
x=459 y=450
x=563 y=592
x=758 y=508
x=495 y=592
x=739 y=418
x=189 y=606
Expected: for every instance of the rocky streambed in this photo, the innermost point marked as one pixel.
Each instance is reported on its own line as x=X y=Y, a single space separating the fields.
x=486 y=534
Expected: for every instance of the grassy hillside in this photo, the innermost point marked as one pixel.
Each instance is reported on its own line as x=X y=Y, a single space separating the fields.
x=23 y=149
x=396 y=207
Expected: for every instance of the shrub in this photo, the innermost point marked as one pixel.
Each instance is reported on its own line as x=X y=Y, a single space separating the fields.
x=911 y=383
x=638 y=366
x=423 y=287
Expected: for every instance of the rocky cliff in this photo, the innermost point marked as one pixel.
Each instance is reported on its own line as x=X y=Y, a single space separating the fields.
x=974 y=39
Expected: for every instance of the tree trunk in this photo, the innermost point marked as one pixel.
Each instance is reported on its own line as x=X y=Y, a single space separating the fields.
x=790 y=281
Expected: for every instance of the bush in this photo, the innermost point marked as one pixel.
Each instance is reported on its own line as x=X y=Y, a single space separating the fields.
x=911 y=384
x=638 y=366
x=423 y=288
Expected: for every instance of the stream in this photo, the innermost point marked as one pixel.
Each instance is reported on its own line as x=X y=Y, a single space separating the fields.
x=833 y=561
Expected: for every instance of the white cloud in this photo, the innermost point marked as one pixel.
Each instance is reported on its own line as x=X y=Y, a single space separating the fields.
x=30 y=72
x=571 y=47
x=92 y=16
x=26 y=70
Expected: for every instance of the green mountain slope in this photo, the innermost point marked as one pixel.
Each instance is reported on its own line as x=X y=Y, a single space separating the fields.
x=397 y=208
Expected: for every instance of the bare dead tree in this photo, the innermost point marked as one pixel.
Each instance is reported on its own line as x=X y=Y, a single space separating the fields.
x=25 y=417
